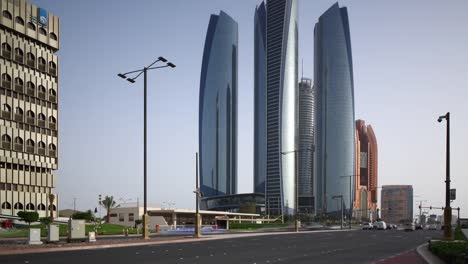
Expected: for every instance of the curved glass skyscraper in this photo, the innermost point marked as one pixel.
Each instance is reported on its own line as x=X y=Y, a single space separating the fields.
x=276 y=33
x=334 y=111
x=218 y=108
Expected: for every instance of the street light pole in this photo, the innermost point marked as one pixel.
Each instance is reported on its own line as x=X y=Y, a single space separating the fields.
x=132 y=80
x=341 y=199
x=448 y=210
x=197 y=199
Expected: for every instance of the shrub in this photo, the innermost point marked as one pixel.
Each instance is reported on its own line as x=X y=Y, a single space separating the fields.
x=88 y=216
x=28 y=217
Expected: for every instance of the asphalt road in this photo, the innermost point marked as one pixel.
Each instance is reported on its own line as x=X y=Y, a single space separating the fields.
x=326 y=247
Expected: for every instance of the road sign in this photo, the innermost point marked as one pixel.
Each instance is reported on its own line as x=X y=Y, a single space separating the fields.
x=453 y=194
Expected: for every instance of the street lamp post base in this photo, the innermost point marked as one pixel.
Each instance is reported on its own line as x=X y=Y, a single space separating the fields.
x=197 y=226
x=146 y=226
x=448 y=224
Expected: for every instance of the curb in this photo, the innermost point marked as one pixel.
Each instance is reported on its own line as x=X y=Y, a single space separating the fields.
x=430 y=258
x=184 y=239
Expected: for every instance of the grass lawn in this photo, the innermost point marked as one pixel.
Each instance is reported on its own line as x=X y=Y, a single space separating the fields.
x=105 y=229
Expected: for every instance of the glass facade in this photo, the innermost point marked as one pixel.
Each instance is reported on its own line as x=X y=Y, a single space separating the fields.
x=218 y=108
x=276 y=65
x=235 y=203
x=305 y=145
x=334 y=110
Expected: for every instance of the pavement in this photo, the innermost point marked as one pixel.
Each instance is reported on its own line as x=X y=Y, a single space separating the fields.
x=358 y=246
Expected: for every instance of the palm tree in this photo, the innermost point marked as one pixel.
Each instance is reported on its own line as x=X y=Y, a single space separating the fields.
x=108 y=203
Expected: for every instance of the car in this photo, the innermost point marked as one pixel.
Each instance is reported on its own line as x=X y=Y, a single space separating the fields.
x=432 y=227
x=367 y=226
x=409 y=227
x=419 y=227
x=380 y=225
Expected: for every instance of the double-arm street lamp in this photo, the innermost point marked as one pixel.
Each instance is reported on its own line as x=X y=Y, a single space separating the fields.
x=132 y=80
x=448 y=210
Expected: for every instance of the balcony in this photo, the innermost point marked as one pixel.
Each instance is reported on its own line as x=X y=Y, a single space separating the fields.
x=6 y=145
x=31 y=63
x=30 y=120
x=53 y=98
x=52 y=153
x=19 y=58
x=18 y=147
x=41 y=123
x=6 y=84
x=18 y=118
x=42 y=67
x=53 y=126
x=41 y=95
x=30 y=92
x=6 y=54
x=41 y=151
x=19 y=88
x=30 y=149
x=6 y=114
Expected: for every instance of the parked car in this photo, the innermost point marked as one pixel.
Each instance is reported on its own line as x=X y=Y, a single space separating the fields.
x=367 y=226
x=419 y=227
x=409 y=227
x=380 y=225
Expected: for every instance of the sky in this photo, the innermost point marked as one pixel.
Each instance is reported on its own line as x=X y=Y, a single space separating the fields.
x=410 y=64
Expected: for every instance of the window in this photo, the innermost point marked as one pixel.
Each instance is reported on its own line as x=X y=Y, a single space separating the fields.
x=52 y=119
x=31 y=26
x=52 y=150
x=7 y=15
x=112 y=215
x=41 y=145
x=42 y=89
x=121 y=217
x=30 y=143
x=30 y=60
x=53 y=36
x=53 y=207
x=42 y=64
x=41 y=117
x=18 y=84
x=41 y=207
x=19 y=111
x=52 y=92
x=30 y=114
x=42 y=31
x=19 y=20
x=30 y=88
x=130 y=217
x=6 y=108
x=52 y=67
x=6 y=205
x=6 y=141
x=6 y=50
x=18 y=144
x=18 y=206
x=19 y=55
x=29 y=206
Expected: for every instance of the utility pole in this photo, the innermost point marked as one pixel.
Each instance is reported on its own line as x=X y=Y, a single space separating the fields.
x=197 y=199
x=74 y=205
x=448 y=210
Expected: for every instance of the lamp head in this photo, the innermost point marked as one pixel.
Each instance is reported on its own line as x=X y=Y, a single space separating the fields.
x=162 y=59
x=440 y=118
x=170 y=64
x=122 y=76
x=131 y=80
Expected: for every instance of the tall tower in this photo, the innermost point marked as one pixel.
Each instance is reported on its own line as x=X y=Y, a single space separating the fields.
x=29 y=38
x=305 y=145
x=218 y=108
x=276 y=33
x=367 y=171
x=334 y=111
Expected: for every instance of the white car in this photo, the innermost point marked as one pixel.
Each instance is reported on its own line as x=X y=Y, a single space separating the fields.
x=380 y=225
x=409 y=227
x=367 y=226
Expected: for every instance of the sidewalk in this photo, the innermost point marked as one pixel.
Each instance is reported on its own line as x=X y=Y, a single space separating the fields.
x=15 y=248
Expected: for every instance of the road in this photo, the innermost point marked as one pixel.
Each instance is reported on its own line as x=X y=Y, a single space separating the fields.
x=320 y=247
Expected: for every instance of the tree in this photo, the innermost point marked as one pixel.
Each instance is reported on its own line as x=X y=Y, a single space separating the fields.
x=45 y=220
x=138 y=222
x=88 y=216
x=108 y=203
x=28 y=217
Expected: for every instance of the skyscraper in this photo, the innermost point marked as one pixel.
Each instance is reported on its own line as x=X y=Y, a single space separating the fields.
x=218 y=108
x=334 y=110
x=276 y=33
x=305 y=145
x=29 y=100
x=366 y=170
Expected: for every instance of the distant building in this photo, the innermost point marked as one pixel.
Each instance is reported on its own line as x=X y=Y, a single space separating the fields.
x=366 y=183
x=397 y=203
x=218 y=108
x=305 y=146
x=334 y=111
x=276 y=51
x=29 y=89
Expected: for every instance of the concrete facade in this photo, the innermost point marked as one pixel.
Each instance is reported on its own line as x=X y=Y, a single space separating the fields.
x=397 y=203
x=29 y=38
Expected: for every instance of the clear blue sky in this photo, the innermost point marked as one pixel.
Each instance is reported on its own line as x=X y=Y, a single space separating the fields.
x=410 y=66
